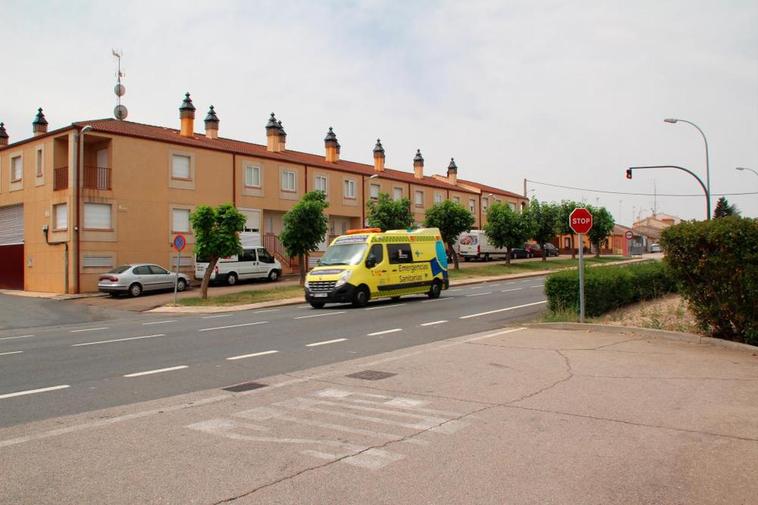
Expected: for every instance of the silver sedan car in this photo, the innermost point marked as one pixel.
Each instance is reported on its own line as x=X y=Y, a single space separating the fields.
x=138 y=278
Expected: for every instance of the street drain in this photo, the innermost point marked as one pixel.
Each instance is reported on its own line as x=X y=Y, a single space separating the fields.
x=370 y=375
x=245 y=386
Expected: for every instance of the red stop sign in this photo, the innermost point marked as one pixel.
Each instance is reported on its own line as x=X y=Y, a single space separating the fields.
x=580 y=220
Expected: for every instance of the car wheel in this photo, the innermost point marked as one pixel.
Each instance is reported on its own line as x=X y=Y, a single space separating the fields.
x=231 y=279
x=273 y=275
x=135 y=290
x=435 y=290
x=361 y=297
x=181 y=285
x=317 y=305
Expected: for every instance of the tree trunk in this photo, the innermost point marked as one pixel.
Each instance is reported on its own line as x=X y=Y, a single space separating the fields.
x=207 y=277
x=573 y=250
x=507 y=255
x=453 y=255
x=544 y=253
x=597 y=251
x=302 y=260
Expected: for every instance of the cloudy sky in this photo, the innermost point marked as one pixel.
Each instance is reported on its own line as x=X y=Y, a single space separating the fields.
x=561 y=92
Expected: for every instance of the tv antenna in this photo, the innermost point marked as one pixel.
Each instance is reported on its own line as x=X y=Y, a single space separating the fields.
x=119 y=112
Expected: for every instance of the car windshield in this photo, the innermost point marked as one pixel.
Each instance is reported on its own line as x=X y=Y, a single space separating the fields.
x=120 y=270
x=344 y=254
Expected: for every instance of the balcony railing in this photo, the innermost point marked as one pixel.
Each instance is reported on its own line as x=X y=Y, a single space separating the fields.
x=97 y=178
x=60 y=178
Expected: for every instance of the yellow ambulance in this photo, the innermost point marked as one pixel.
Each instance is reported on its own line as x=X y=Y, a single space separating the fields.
x=367 y=263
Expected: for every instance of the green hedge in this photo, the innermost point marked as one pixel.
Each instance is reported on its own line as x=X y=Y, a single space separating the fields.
x=607 y=288
x=715 y=264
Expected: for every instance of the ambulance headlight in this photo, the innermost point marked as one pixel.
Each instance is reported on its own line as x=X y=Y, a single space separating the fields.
x=344 y=277
x=307 y=285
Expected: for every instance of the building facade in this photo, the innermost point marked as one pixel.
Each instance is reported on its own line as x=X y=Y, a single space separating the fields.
x=79 y=200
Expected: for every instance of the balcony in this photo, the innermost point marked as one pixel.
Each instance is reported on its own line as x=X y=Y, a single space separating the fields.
x=97 y=178
x=60 y=178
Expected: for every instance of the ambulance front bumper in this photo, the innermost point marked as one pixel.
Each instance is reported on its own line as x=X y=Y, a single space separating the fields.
x=329 y=294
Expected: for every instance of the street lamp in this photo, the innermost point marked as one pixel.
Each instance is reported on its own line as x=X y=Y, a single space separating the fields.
x=707 y=161
x=745 y=168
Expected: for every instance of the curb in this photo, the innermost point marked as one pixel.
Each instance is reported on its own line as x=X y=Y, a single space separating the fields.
x=649 y=332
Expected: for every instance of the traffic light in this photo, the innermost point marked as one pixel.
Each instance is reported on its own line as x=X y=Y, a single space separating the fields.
x=628 y=173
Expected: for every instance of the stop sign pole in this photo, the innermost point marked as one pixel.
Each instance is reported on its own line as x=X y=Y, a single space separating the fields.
x=580 y=220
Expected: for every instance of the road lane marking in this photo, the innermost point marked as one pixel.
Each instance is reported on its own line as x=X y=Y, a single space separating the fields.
x=456 y=289
x=476 y=287
x=266 y=310
x=90 y=329
x=480 y=294
x=434 y=322
x=384 y=332
x=243 y=356
x=509 y=290
x=537 y=286
x=117 y=340
x=159 y=370
x=442 y=299
x=320 y=315
x=10 y=352
x=159 y=322
x=325 y=342
x=233 y=326
x=502 y=310
x=387 y=306
x=33 y=391
x=19 y=336
x=217 y=315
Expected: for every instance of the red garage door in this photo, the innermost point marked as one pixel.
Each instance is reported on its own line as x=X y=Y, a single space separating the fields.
x=12 y=247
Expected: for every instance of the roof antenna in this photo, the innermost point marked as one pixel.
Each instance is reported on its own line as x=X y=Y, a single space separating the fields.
x=119 y=112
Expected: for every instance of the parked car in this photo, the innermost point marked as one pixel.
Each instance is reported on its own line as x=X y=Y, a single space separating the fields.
x=656 y=248
x=533 y=250
x=253 y=263
x=137 y=278
x=519 y=253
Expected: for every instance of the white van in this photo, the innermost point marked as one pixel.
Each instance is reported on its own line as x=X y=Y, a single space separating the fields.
x=253 y=263
x=474 y=245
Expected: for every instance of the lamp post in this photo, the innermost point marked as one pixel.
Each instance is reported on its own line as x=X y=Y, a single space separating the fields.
x=745 y=168
x=707 y=161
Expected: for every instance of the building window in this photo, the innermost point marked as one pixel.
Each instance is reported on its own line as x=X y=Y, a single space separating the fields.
x=253 y=176
x=17 y=168
x=457 y=199
x=512 y=206
x=97 y=216
x=472 y=205
x=485 y=203
x=349 y=188
x=320 y=183
x=437 y=197
x=374 y=191
x=419 y=199
x=397 y=193
x=288 y=181
x=180 y=220
x=97 y=261
x=180 y=166
x=39 y=162
x=60 y=216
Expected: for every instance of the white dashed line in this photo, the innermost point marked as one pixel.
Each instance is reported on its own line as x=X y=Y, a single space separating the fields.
x=159 y=322
x=10 y=352
x=232 y=326
x=118 y=340
x=325 y=342
x=454 y=290
x=434 y=322
x=438 y=299
x=480 y=294
x=537 y=286
x=387 y=306
x=89 y=329
x=243 y=356
x=476 y=287
x=160 y=370
x=14 y=338
x=215 y=316
x=33 y=391
x=384 y=332
x=266 y=310
x=320 y=315
x=509 y=290
x=502 y=310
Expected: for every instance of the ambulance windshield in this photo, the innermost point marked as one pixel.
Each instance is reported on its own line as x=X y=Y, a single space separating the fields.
x=343 y=254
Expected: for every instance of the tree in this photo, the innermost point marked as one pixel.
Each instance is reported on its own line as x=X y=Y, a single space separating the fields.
x=389 y=214
x=545 y=222
x=452 y=219
x=602 y=226
x=305 y=227
x=566 y=207
x=216 y=235
x=724 y=209
x=507 y=228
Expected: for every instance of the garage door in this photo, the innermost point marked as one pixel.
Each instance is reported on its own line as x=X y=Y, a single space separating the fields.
x=12 y=247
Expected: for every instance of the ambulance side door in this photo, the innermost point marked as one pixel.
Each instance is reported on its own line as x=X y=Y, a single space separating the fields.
x=379 y=272
x=398 y=255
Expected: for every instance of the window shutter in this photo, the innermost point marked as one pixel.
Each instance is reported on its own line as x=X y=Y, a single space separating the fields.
x=97 y=216
x=180 y=220
x=61 y=216
x=180 y=166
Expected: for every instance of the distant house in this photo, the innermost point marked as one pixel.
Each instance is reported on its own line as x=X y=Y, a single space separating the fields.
x=652 y=226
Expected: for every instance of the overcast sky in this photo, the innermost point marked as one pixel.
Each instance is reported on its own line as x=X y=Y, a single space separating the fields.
x=568 y=93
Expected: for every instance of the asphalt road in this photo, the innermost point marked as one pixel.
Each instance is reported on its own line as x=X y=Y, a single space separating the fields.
x=69 y=369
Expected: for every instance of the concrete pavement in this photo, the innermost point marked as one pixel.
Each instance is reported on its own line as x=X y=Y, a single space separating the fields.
x=514 y=415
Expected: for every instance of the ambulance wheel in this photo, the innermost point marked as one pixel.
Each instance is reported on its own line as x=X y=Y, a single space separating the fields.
x=317 y=305
x=361 y=297
x=435 y=290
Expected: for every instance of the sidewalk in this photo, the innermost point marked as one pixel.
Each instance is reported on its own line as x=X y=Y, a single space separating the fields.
x=517 y=416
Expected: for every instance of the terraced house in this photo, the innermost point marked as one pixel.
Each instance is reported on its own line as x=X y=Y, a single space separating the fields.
x=76 y=201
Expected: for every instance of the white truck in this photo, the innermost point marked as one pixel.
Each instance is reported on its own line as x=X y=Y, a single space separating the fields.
x=253 y=263
x=474 y=245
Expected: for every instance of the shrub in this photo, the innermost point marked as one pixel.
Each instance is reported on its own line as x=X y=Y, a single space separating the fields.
x=607 y=288
x=715 y=264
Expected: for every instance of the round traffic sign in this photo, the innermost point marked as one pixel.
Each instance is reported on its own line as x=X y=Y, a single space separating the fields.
x=179 y=242
x=580 y=220
x=629 y=234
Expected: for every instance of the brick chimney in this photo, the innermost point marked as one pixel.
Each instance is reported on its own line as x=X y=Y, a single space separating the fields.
x=332 y=146
x=452 y=172
x=187 y=117
x=3 y=135
x=272 y=134
x=378 y=156
x=282 y=137
x=39 y=125
x=211 y=124
x=418 y=165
